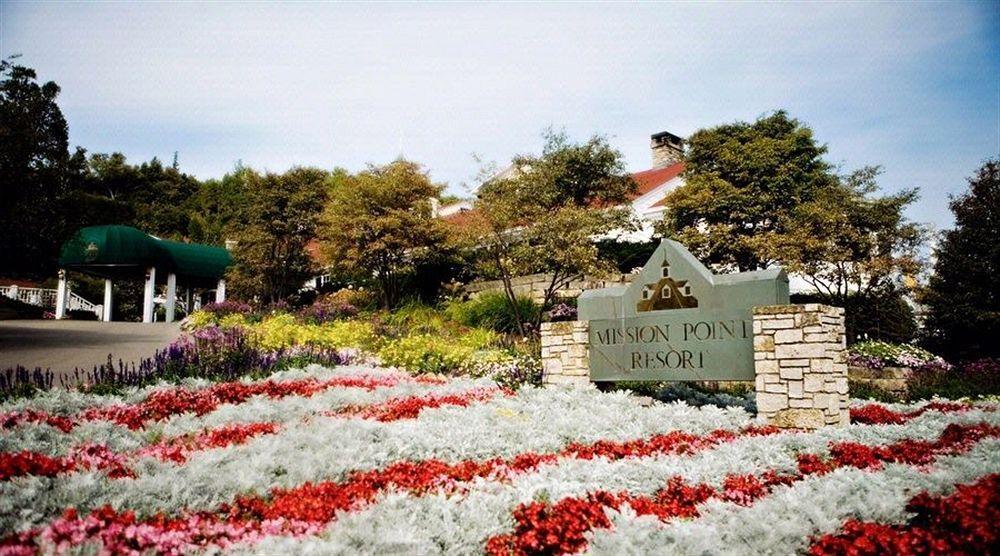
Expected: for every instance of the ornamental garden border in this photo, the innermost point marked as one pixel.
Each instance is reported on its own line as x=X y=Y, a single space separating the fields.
x=677 y=321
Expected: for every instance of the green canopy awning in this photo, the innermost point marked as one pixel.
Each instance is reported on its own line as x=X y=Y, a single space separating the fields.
x=123 y=252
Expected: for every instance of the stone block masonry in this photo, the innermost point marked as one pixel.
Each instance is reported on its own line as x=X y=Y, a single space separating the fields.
x=565 y=353
x=801 y=366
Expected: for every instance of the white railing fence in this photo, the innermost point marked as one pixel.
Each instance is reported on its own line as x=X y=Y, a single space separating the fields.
x=42 y=297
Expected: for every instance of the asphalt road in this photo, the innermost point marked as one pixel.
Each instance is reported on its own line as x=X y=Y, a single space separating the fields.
x=62 y=345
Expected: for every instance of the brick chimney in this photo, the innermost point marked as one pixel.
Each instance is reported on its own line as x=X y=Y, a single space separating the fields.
x=667 y=148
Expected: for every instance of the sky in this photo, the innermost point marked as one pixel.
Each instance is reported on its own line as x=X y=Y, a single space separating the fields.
x=913 y=87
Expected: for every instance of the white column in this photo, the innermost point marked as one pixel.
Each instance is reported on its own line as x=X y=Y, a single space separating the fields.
x=171 y=296
x=220 y=291
x=197 y=301
x=147 y=299
x=62 y=293
x=107 y=300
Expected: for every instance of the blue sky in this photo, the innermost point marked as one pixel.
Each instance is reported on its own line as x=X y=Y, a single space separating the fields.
x=914 y=87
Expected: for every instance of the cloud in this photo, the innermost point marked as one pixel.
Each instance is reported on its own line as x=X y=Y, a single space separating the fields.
x=913 y=87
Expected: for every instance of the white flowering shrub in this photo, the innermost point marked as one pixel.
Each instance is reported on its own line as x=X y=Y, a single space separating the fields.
x=361 y=459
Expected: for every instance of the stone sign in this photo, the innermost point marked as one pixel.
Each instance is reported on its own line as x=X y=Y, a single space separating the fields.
x=678 y=321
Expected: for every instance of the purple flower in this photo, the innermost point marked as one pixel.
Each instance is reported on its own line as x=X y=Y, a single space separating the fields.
x=562 y=312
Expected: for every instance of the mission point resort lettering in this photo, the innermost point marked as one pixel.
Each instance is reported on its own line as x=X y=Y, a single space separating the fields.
x=669 y=358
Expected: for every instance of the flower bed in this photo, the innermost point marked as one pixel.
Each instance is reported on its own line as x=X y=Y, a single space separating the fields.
x=363 y=459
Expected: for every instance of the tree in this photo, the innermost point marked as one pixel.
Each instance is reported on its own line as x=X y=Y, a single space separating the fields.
x=36 y=172
x=963 y=296
x=547 y=214
x=741 y=180
x=847 y=243
x=377 y=226
x=156 y=199
x=218 y=206
x=279 y=217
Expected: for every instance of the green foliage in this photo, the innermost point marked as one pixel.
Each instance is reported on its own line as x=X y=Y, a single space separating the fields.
x=741 y=182
x=279 y=218
x=904 y=355
x=973 y=379
x=627 y=256
x=427 y=354
x=218 y=206
x=541 y=215
x=868 y=391
x=377 y=225
x=282 y=331
x=414 y=317
x=492 y=310
x=639 y=387
x=11 y=309
x=963 y=297
x=846 y=242
x=882 y=314
x=155 y=198
x=37 y=173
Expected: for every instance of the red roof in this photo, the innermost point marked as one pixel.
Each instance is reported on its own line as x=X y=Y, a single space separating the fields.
x=651 y=179
x=648 y=180
x=314 y=252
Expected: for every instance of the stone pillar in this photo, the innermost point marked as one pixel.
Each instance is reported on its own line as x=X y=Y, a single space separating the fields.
x=148 y=293
x=800 y=362
x=62 y=294
x=107 y=300
x=565 y=353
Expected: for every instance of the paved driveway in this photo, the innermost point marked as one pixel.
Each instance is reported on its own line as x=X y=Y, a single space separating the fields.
x=62 y=345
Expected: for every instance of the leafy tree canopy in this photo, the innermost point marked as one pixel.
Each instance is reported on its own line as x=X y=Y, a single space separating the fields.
x=278 y=218
x=741 y=181
x=546 y=213
x=36 y=172
x=847 y=242
x=377 y=225
x=963 y=296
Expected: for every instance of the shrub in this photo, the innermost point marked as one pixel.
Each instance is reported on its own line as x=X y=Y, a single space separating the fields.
x=14 y=309
x=882 y=315
x=868 y=391
x=81 y=314
x=492 y=310
x=198 y=319
x=416 y=318
x=224 y=308
x=695 y=397
x=562 y=312
x=973 y=379
x=234 y=320
x=426 y=354
x=361 y=298
x=283 y=331
x=327 y=308
x=876 y=355
x=508 y=371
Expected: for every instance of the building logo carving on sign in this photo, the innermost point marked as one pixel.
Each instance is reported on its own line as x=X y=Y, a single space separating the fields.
x=678 y=321
x=666 y=293
x=91 y=252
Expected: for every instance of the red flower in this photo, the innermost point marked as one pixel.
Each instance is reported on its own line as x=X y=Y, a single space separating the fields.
x=962 y=523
